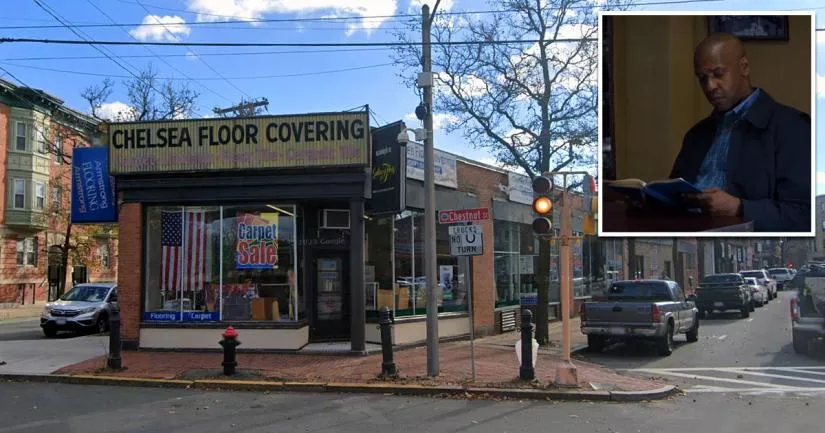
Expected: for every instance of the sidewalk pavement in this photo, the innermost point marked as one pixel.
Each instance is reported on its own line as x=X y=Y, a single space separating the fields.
x=496 y=369
x=14 y=312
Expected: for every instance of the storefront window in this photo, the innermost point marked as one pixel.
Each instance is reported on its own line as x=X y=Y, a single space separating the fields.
x=410 y=283
x=515 y=258
x=378 y=271
x=218 y=263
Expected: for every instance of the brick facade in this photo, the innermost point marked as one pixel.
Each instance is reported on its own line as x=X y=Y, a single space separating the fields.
x=129 y=277
x=484 y=184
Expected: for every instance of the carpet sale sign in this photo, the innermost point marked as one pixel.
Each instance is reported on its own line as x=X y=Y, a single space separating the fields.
x=257 y=245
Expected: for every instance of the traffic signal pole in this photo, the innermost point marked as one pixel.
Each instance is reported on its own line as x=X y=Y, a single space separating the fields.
x=566 y=372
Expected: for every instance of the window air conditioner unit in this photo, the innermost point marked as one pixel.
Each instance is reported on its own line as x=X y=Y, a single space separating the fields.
x=335 y=219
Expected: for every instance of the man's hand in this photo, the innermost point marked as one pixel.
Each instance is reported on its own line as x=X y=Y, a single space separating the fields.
x=717 y=202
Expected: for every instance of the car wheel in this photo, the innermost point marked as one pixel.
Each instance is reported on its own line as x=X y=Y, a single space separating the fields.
x=50 y=332
x=753 y=306
x=745 y=312
x=664 y=345
x=800 y=343
x=102 y=324
x=693 y=334
x=595 y=343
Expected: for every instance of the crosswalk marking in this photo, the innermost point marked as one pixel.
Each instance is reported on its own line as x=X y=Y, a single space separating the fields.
x=808 y=380
x=711 y=378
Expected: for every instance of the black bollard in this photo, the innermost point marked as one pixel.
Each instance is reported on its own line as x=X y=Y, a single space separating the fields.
x=229 y=343
x=388 y=368
x=113 y=361
x=526 y=371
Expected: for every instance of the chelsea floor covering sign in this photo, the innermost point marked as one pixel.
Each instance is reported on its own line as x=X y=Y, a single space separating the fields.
x=261 y=142
x=93 y=195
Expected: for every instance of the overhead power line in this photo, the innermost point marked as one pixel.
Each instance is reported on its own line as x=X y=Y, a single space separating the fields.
x=244 y=20
x=210 y=89
x=289 y=44
x=254 y=77
x=175 y=38
x=231 y=53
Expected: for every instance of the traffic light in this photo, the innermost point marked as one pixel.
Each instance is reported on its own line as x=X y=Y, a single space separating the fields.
x=542 y=205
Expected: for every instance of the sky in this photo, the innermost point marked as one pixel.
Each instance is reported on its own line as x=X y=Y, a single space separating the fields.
x=294 y=80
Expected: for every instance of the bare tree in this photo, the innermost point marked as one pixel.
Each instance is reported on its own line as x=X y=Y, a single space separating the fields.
x=148 y=98
x=532 y=105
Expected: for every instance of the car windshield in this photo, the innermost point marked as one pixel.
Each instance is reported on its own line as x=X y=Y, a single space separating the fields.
x=777 y=271
x=751 y=281
x=653 y=291
x=755 y=274
x=86 y=294
x=722 y=278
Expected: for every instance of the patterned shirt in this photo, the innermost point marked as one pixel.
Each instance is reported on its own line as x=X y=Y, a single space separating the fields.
x=714 y=172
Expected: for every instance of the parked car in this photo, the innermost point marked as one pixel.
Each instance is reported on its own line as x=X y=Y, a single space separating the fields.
x=722 y=292
x=759 y=293
x=807 y=324
x=763 y=277
x=781 y=276
x=85 y=307
x=640 y=310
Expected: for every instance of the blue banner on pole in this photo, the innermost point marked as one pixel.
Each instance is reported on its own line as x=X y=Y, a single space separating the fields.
x=93 y=192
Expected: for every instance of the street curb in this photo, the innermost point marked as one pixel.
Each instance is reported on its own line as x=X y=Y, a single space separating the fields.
x=336 y=387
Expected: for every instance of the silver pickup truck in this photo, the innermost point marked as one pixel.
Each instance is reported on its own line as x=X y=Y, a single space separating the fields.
x=640 y=310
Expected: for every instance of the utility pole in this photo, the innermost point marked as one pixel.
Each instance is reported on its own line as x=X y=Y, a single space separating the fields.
x=426 y=81
x=244 y=109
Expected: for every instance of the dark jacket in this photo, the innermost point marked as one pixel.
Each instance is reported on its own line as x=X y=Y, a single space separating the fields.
x=768 y=167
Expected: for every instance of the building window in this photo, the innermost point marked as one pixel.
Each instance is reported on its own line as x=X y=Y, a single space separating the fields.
x=58 y=149
x=213 y=263
x=21 y=136
x=27 y=251
x=39 y=195
x=19 y=194
x=57 y=199
x=39 y=139
x=515 y=256
x=104 y=257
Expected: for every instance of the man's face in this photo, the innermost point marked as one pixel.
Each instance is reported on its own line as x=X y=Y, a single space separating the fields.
x=721 y=74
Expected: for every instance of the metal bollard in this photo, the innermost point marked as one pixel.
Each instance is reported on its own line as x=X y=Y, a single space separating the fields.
x=229 y=343
x=388 y=368
x=526 y=371
x=113 y=361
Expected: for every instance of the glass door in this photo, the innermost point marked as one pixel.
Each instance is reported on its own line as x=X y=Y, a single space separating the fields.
x=332 y=297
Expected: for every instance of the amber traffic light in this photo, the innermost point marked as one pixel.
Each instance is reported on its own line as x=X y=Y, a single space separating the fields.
x=542 y=205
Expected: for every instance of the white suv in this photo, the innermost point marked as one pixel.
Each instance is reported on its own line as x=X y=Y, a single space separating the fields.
x=764 y=278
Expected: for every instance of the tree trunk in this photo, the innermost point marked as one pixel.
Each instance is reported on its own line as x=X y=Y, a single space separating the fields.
x=65 y=260
x=543 y=289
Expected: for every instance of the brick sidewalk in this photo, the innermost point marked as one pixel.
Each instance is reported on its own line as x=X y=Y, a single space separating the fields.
x=496 y=367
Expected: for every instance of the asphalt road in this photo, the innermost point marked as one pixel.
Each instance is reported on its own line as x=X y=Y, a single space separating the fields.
x=39 y=407
x=752 y=355
x=23 y=330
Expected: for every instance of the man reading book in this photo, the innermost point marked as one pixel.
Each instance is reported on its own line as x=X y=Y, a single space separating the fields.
x=751 y=156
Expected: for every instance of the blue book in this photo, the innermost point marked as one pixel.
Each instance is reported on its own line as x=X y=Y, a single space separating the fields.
x=666 y=192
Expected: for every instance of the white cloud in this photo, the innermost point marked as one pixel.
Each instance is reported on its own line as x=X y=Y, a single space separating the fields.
x=190 y=55
x=820 y=177
x=820 y=37
x=820 y=86
x=440 y=120
x=222 y=10
x=172 y=28
x=115 y=111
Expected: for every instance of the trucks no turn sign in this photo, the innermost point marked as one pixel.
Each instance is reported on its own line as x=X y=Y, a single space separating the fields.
x=466 y=240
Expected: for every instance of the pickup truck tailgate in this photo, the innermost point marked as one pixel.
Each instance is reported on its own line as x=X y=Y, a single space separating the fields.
x=719 y=292
x=619 y=313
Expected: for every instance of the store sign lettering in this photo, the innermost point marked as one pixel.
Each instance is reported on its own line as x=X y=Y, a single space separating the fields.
x=313 y=140
x=257 y=246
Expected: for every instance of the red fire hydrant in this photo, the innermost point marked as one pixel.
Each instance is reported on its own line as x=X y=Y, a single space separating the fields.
x=229 y=343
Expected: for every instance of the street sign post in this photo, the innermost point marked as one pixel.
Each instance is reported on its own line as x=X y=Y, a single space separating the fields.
x=467 y=240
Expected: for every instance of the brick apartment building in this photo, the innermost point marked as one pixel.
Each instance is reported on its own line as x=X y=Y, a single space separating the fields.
x=37 y=134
